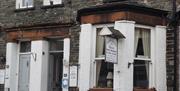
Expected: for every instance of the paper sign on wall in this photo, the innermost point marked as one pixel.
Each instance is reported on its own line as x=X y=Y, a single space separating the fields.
x=73 y=76
x=111 y=50
x=2 y=75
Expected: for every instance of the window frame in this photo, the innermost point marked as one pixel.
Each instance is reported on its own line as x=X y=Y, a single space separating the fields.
x=93 y=62
x=19 y=5
x=150 y=60
x=48 y=3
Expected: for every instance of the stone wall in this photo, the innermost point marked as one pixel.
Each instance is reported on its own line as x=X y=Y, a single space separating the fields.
x=10 y=17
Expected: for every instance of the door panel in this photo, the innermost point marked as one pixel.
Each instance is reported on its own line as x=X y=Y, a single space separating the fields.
x=55 y=72
x=24 y=72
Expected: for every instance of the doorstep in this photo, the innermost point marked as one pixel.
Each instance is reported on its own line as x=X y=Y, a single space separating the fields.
x=101 y=89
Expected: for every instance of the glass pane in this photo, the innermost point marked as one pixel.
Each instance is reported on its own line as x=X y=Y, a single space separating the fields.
x=104 y=74
x=141 y=74
x=30 y=2
x=100 y=45
x=25 y=46
x=56 y=45
x=142 y=44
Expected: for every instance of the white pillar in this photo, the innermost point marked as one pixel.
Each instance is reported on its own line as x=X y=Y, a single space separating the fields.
x=11 y=67
x=123 y=76
x=39 y=66
x=160 y=58
x=66 y=57
x=85 y=56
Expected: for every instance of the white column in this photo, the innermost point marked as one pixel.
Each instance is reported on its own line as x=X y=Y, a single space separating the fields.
x=160 y=58
x=85 y=57
x=66 y=57
x=123 y=76
x=39 y=66
x=11 y=67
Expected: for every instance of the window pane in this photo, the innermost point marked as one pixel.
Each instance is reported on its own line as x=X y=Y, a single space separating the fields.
x=56 y=45
x=142 y=44
x=100 y=45
x=141 y=74
x=104 y=74
x=25 y=46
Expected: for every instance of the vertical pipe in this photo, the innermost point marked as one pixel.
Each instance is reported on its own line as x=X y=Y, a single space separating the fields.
x=175 y=43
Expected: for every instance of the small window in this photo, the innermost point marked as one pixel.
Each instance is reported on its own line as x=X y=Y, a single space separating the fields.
x=52 y=2
x=56 y=45
x=104 y=70
x=24 y=4
x=25 y=46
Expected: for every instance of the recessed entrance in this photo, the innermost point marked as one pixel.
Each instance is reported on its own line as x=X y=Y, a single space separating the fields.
x=55 y=65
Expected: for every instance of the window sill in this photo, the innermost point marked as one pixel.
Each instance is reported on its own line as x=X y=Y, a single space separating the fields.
x=143 y=89
x=52 y=6
x=101 y=89
x=24 y=9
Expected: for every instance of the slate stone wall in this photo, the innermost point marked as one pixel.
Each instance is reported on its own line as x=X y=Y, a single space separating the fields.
x=10 y=17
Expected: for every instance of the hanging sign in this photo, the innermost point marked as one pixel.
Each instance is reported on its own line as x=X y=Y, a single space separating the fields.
x=73 y=76
x=111 y=49
x=2 y=76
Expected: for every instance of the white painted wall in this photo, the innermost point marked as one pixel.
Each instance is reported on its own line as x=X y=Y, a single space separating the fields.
x=85 y=58
x=123 y=76
x=160 y=58
x=39 y=67
x=66 y=57
x=11 y=72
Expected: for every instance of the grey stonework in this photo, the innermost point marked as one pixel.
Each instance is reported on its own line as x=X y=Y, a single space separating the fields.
x=10 y=17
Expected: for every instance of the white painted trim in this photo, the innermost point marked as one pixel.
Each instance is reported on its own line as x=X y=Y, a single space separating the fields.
x=85 y=57
x=160 y=58
x=66 y=56
x=11 y=61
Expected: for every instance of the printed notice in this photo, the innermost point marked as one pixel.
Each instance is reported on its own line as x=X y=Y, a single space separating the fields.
x=2 y=74
x=111 y=50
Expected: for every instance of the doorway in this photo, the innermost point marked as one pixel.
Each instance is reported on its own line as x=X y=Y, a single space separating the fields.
x=24 y=72
x=55 y=71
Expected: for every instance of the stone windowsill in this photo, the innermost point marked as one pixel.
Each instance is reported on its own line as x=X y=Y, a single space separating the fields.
x=24 y=9
x=52 y=6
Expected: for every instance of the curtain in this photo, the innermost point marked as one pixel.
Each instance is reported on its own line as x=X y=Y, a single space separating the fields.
x=99 y=53
x=146 y=47
x=146 y=42
x=137 y=35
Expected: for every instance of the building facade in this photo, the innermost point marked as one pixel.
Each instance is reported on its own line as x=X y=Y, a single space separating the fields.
x=47 y=40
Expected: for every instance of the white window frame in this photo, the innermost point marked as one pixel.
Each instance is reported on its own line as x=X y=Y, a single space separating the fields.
x=93 y=62
x=55 y=2
x=19 y=4
x=151 y=60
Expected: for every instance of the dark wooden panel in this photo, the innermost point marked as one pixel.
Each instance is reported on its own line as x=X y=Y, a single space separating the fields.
x=103 y=18
x=111 y=17
x=101 y=89
x=13 y=36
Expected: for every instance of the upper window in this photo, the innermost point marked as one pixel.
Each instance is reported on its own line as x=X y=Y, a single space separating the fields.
x=52 y=2
x=25 y=46
x=24 y=4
